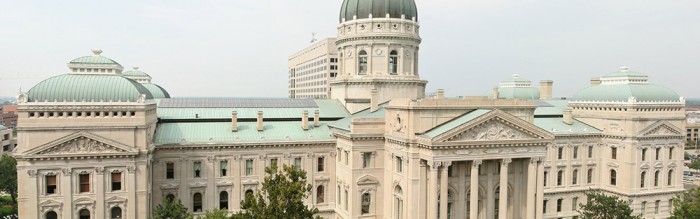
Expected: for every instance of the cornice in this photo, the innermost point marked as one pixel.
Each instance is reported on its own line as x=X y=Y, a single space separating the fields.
x=340 y=41
x=223 y=146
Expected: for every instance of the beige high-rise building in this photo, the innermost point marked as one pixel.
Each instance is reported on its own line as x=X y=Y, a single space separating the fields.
x=100 y=142
x=311 y=70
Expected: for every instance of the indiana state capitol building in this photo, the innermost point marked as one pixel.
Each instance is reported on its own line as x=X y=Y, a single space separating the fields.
x=102 y=142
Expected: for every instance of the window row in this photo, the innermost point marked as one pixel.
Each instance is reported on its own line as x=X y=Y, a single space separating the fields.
x=367 y=158
x=574 y=152
x=92 y=70
x=365 y=201
x=657 y=153
x=248 y=167
x=560 y=205
x=81 y=114
x=574 y=177
x=362 y=62
x=84 y=183
x=114 y=213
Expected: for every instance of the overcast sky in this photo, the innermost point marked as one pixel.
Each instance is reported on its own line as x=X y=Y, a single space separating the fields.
x=240 y=47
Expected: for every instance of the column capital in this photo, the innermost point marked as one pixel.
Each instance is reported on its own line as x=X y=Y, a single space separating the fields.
x=534 y=160
x=506 y=161
x=446 y=163
x=476 y=163
x=434 y=165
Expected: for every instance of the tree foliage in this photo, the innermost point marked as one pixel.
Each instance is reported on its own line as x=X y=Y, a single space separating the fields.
x=282 y=196
x=601 y=206
x=687 y=205
x=171 y=209
x=695 y=164
x=8 y=176
x=215 y=214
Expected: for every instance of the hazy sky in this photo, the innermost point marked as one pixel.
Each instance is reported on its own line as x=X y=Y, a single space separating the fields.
x=240 y=47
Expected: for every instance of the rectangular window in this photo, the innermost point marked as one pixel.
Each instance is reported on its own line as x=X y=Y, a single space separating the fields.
x=658 y=152
x=51 y=184
x=560 y=153
x=399 y=165
x=613 y=152
x=223 y=166
x=670 y=153
x=297 y=163
x=545 y=177
x=644 y=207
x=197 y=169
x=656 y=206
x=347 y=154
x=644 y=154
x=273 y=163
x=575 y=152
x=249 y=167
x=366 y=158
x=574 y=204
x=170 y=171
x=320 y=165
x=338 y=195
x=84 y=182
x=346 y=199
x=544 y=206
x=116 y=181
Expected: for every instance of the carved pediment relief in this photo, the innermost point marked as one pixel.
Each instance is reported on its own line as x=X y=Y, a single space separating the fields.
x=81 y=143
x=367 y=179
x=661 y=128
x=198 y=184
x=224 y=183
x=116 y=199
x=169 y=186
x=494 y=126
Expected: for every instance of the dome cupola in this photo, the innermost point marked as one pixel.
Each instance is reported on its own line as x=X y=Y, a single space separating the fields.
x=517 y=88
x=626 y=86
x=94 y=64
x=361 y=9
x=137 y=75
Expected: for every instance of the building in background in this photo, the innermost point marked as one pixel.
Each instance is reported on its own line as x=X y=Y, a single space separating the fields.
x=311 y=69
x=9 y=116
x=7 y=140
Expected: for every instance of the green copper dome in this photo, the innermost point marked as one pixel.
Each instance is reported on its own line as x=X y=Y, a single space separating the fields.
x=378 y=9
x=157 y=91
x=521 y=93
x=87 y=88
x=96 y=58
x=622 y=86
x=135 y=72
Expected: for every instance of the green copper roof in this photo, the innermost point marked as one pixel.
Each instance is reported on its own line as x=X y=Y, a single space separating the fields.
x=344 y=124
x=378 y=9
x=557 y=126
x=625 y=73
x=135 y=72
x=220 y=132
x=555 y=107
x=87 y=88
x=157 y=91
x=523 y=93
x=622 y=93
x=454 y=123
x=93 y=59
x=326 y=108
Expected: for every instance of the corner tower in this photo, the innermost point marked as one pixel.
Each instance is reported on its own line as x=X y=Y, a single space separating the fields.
x=378 y=43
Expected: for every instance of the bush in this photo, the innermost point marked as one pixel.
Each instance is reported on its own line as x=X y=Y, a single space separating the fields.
x=7 y=211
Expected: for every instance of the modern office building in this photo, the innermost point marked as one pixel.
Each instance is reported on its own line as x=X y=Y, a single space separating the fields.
x=99 y=143
x=311 y=70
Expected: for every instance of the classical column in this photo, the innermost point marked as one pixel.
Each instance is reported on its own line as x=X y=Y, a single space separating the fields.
x=66 y=190
x=539 y=199
x=432 y=189
x=474 y=190
x=443 y=189
x=131 y=187
x=100 y=191
x=503 y=196
x=531 y=188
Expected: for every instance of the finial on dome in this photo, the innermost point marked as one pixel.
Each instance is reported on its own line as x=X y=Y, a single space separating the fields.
x=97 y=52
x=136 y=68
x=624 y=69
x=516 y=76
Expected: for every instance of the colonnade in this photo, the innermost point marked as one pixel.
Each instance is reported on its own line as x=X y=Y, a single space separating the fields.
x=437 y=189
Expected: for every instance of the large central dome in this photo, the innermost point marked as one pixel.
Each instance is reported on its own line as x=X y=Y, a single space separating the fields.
x=378 y=9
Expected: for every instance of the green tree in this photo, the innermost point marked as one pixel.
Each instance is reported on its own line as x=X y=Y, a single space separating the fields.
x=282 y=196
x=8 y=177
x=695 y=164
x=215 y=214
x=687 y=205
x=171 y=209
x=601 y=206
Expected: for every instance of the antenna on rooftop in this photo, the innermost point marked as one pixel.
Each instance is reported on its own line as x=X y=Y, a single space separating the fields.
x=313 y=37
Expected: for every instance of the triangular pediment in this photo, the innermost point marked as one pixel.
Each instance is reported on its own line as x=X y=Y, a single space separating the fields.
x=494 y=126
x=661 y=128
x=82 y=143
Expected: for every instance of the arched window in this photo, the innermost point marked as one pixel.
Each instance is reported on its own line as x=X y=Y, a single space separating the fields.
x=197 y=202
x=362 y=62
x=398 y=199
x=590 y=176
x=51 y=215
x=249 y=193
x=613 y=177
x=320 y=194
x=560 y=177
x=641 y=180
x=366 y=201
x=393 y=62
x=170 y=197
x=656 y=178
x=223 y=200
x=670 y=177
x=116 y=213
x=574 y=177
x=84 y=214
